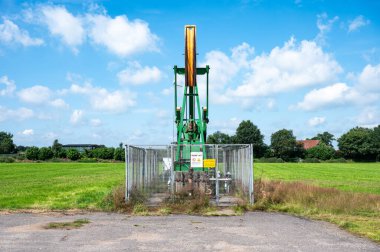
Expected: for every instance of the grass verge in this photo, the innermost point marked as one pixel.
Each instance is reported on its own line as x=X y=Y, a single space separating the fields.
x=67 y=225
x=358 y=213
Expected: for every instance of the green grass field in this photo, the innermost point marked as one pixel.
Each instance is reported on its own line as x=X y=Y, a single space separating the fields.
x=53 y=186
x=57 y=185
x=355 y=177
x=84 y=185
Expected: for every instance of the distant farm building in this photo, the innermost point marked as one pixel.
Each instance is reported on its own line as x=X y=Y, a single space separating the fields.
x=307 y=144
x=82 y=147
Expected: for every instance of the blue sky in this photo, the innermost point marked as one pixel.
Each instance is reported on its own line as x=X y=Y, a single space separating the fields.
x=101 y=71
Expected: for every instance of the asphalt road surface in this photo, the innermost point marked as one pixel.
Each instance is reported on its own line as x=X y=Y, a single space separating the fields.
x=255 y=231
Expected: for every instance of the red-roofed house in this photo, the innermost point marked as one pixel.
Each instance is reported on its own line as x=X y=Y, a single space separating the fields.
x=307 y=144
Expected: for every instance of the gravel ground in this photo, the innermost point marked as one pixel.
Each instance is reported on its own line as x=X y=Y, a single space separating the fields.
x=254 y=231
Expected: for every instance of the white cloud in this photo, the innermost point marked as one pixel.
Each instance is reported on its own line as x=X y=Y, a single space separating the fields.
x=366 y=90
x=290 y=67
x=121 y=36
x=369 y=116
x=37 y=94
x=135 y=74
x=324 y=26
x=28 y=132
x=166 y=91
x=358 y=22
x=369 y=78
x=336 y=94
x=41 y=95
x=59 y=103
x=95 y=122
x=103 y=100
x=271 y=104
x=9 y=86
x=315 y=121
x=10 y=33
x=223 y=69
x=76 y=116
x=15 y=114
x=63 y=24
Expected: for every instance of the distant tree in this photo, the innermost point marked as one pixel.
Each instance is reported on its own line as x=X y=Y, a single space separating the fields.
x=119 y=154
x=6 y=143
x=376 y=141
x=358 y=144
x=62 y=153
x=322 y=151
x=325 y=138
x=56 y=148
x=20 y=148
x=103 y=153
x=32 y=153
x=45 y=153
x=73 y=154
x=248 y=133
x=285 y=146
x=218 y=138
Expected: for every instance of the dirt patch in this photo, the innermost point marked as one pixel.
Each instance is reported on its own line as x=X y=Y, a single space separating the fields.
x=26 y=228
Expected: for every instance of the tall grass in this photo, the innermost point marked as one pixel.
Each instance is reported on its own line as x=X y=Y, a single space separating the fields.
x=356 y=212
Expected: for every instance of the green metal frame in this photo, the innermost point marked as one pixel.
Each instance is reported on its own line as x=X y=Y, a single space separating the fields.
x=191 y=129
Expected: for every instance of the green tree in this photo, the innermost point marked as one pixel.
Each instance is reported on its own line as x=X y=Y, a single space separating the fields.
x=6 y=143
x=56 y=148
x=73 y=154
x=248 y=133
x=119 y=154
x=376 y=141
x=218 y=138
x=32 y=153
x=358 y=144
x=285 y=146
x=322 y=151
x=103 y=153
x=45 y=153
x=325 y=137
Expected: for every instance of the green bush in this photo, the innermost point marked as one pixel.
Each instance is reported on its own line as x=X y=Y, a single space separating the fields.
x=62 y=153
x=45 y=153
x=119 y=154
x=73 y=154
x=321 y=151
x=32 y=153
x=7 y=159
x=103 y=153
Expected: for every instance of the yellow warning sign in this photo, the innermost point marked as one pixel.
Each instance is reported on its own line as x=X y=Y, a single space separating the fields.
x=209 y=163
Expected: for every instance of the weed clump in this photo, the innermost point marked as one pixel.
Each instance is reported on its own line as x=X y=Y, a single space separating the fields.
x=115 y=200
x=67 y=225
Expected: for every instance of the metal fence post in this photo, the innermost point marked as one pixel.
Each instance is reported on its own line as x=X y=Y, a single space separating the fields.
x=126 y=153
x=216 y=175
x=252 y=174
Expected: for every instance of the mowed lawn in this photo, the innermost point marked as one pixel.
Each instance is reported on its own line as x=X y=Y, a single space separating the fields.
x=355 y=177
x=57 y=185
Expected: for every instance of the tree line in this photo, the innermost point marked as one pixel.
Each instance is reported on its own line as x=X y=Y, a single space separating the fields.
x=358 y=144
x=57 y=151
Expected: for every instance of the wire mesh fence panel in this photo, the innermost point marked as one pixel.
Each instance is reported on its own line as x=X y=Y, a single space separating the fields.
x=170 y=169
x=147 y=169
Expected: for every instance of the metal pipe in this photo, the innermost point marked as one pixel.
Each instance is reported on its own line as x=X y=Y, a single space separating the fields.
x=126 y=152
